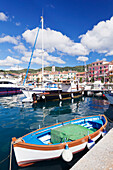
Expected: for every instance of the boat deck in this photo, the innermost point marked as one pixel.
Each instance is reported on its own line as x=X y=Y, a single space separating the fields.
x=43 y=137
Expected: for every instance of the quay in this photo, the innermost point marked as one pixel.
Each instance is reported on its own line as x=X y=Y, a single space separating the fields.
x=99 y=157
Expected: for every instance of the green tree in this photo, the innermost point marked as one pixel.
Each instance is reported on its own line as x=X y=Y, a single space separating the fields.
x=92 y=79
x=80 y=79
x=102 y=79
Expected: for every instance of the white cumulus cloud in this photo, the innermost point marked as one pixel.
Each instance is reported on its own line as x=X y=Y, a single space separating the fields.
x=20 y=47
x=54 y=40
x=9 y=61
x=8 y=39
x=100 y=38
x=82 y=58
x=16 y=68
x=3 y=17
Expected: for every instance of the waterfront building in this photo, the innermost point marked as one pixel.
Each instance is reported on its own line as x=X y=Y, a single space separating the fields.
x=111 y=71
x=1 y=75
x=81 y=76
x=62 y=76
x=98 y=70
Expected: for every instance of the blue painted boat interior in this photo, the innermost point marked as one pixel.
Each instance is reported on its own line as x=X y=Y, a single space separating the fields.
x=43 y=136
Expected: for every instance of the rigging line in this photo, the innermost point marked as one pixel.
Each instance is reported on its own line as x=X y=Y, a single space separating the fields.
x=4 y=159
x=32 y=54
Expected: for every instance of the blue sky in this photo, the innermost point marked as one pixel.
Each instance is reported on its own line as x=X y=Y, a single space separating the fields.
x=74 y=31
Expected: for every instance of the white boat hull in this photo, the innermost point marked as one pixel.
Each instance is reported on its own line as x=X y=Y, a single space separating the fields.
x=26 y=156
x=110 y=98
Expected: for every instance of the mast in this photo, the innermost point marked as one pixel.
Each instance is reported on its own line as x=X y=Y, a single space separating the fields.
x=42 y=50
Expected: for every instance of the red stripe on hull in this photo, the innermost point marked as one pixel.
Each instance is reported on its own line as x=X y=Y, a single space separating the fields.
x=10 y=92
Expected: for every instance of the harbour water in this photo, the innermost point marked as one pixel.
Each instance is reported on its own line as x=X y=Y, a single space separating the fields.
x=17 y=119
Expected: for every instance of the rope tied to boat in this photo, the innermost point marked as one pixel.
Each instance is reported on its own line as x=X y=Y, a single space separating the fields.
x=10 y=155
x=17 y=141
x=4 y=159
x=14 y=141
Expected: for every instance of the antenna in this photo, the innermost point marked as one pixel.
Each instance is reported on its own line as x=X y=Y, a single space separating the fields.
x=42 y=12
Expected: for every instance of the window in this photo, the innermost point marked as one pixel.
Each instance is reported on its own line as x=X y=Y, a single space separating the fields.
x=100 y=68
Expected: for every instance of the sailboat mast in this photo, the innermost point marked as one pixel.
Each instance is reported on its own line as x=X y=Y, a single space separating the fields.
x=42 y=51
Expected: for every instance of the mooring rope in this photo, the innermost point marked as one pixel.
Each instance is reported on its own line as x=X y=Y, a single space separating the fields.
x=10 y=156
x=4 y=159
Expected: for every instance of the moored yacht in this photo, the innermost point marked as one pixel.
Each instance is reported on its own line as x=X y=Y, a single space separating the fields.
x=9 y=87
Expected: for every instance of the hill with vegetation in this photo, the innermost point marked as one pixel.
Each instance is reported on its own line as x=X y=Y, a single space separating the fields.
x=76 y=68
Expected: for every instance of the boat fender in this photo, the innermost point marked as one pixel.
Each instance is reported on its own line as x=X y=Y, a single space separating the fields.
x=43 y=97
x=60 y=97
x=103 y=133
x=67 y=154
x=90 y=143
x=71 y=95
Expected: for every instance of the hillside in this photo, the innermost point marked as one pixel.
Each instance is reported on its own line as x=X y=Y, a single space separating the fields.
x=76 y=68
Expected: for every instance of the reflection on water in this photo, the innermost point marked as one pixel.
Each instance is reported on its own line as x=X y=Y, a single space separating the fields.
x=17 y=119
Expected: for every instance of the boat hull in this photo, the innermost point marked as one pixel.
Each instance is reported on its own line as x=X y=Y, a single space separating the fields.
x=56 y=96
x=25 y=157
x=9 y=91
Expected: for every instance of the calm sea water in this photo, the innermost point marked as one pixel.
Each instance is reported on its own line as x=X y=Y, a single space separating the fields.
x=17 y=119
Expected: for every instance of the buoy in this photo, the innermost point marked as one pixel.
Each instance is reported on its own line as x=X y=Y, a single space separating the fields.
x=90 y=143
x=43 y=97
x=67 y=154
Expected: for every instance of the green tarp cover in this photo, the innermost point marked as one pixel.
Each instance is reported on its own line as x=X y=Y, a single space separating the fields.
x=69 y=132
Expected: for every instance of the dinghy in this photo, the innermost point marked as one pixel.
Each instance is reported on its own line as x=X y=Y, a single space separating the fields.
x=61 y=139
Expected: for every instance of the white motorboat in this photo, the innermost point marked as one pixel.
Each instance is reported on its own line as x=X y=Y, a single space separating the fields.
x=9 y=87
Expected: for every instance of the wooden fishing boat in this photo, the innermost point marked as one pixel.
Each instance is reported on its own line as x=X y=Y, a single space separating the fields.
x=61 y=139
